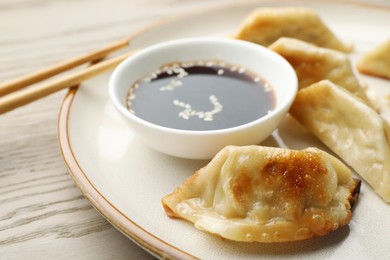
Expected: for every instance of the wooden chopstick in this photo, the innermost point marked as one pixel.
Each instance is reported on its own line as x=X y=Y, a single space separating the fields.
x=26 y=80
x=27 y=95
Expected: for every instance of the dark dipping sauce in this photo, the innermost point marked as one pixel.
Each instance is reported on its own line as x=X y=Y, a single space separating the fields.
x=202 y=95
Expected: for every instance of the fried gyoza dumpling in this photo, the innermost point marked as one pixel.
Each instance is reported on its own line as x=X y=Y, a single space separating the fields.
x=313 y=64
x=255 y=193
x=376 y=62
x=266 y=25
x=350 y=128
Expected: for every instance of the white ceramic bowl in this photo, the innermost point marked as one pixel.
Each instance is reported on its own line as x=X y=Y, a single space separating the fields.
x=204 y=144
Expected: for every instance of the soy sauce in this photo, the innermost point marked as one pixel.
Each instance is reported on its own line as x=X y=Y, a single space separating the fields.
x=201 y=95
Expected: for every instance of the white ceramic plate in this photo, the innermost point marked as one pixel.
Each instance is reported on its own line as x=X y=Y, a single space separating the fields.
x=125 y=180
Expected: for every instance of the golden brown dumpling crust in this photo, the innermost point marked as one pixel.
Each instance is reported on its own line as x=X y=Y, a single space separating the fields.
x=313 y=64
x=377 y=61
x=266 y=25
x=265 y=194
x=350 y=128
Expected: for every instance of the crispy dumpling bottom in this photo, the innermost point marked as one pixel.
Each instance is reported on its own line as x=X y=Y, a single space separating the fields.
x=264 y=194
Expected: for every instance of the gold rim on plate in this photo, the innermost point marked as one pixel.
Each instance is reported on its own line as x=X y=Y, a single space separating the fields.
x=123 y=223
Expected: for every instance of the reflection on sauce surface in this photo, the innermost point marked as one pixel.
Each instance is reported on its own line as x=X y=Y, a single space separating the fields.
x=202 y=95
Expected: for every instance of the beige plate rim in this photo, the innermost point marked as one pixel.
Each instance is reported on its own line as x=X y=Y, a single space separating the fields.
x=124 y=224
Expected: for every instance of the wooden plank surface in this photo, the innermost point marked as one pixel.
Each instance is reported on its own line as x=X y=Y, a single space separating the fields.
x=43 y=214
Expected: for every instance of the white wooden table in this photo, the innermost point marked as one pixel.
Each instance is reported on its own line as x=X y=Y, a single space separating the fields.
x=43 y=215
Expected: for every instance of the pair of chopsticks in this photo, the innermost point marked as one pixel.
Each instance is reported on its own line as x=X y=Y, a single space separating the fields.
x=13 y=93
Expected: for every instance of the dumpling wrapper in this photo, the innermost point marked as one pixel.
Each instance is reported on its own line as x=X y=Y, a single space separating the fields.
x=377 y=61
x=313 y=64
x=265 y=194
x=350 y=128
x=266 y=25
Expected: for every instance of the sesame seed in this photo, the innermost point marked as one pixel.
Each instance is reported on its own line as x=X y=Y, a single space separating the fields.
x=172 y=85
x=177 y=70
x=209 y=64
x=182 y=73
x=267 y=87
x=206 y=116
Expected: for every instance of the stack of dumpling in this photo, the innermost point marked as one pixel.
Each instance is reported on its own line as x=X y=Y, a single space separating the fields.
x=265 y=194
x=331 y=102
